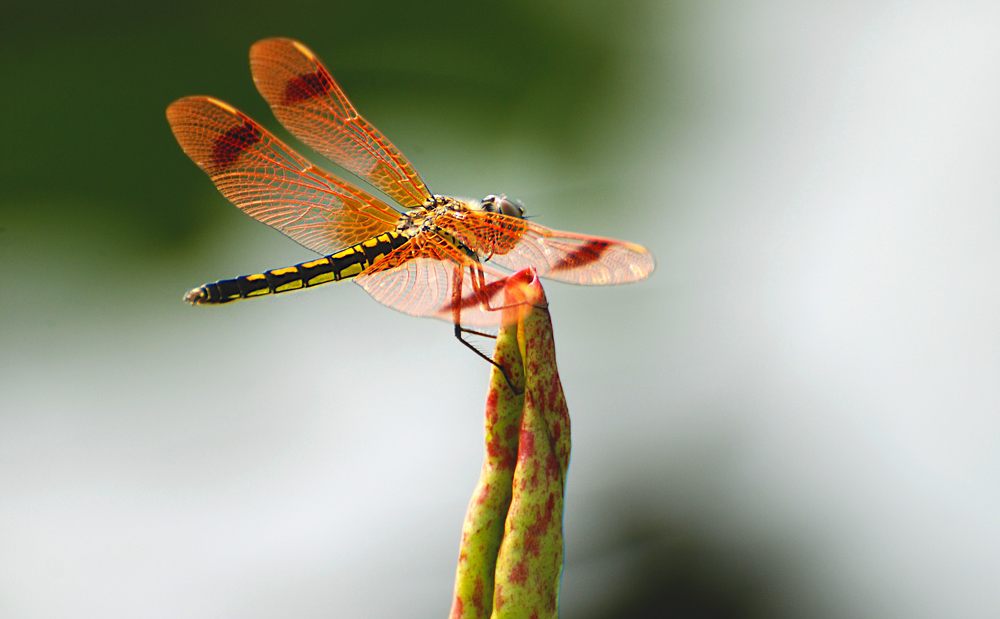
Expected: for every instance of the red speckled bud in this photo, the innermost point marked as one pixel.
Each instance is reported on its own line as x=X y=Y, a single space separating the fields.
x=529 y=553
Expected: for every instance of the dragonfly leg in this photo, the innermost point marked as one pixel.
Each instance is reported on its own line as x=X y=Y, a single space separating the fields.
x=478 y=288
x=479 y=333
x=456 y=314
x=458 y=334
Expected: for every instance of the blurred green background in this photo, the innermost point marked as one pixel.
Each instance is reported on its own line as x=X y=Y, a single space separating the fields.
x=86 y=84
x=795 y=416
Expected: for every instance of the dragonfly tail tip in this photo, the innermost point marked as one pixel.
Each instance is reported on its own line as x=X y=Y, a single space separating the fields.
x=196 y=296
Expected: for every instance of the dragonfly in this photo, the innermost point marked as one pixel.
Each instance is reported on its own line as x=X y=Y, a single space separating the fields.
x=436 y=256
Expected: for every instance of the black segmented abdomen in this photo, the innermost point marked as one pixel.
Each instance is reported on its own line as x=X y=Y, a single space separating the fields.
x=344 y=264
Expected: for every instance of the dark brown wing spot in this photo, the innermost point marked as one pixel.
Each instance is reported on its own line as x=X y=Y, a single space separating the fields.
x=307 y=86
x=232 y=143
x=590 y=251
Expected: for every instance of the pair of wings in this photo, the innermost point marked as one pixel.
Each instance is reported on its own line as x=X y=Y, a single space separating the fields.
x=273 y=184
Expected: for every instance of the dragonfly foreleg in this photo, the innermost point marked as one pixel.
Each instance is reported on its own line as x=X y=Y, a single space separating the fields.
x=506 y=376
x=456 y=314
x=479 y=288
x=479 y=333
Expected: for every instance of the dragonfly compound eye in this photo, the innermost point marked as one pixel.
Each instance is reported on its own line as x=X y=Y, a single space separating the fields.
x=509 y=208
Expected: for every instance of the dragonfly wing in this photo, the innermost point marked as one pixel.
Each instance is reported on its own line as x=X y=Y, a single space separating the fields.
x=428 y=277
x=310 y=104
x=578 y=258
x=514 y=244
x=270 y=182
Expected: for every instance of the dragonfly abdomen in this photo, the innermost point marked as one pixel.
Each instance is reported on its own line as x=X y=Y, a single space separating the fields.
x=344 y=264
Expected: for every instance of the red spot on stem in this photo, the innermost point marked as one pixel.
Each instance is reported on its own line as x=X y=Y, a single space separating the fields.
x=484 y=494
x=526 y=445
x=477 y=595
x=519 y=574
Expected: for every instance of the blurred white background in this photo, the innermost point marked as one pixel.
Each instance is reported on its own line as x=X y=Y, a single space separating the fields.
x=797 y=415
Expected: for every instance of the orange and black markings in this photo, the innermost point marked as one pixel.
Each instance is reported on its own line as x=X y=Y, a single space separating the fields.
x=270 y=182
x=335 y=267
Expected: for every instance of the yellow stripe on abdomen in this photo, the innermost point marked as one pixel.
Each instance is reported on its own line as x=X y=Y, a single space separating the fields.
x=344 y=264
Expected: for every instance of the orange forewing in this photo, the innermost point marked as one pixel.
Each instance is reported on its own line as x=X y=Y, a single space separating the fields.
x=270 y=182
x=310 y=104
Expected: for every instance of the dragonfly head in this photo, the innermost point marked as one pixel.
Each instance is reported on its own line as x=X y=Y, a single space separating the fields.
x=502 y=205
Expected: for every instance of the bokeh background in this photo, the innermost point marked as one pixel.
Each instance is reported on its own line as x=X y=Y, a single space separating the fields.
x=796 y=416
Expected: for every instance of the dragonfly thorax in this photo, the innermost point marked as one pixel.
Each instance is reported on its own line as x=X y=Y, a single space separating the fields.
x=459 y=222
x=424 y=219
